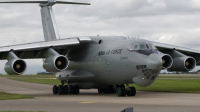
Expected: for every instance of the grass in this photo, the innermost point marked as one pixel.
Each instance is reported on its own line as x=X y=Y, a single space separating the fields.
x=41 y=79
x=8 y=96
x=172 y=83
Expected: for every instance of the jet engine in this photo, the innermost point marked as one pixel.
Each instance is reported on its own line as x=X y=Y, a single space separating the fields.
x=183 y=64
x=15 y=67
x=55 y=63
x=166 y=61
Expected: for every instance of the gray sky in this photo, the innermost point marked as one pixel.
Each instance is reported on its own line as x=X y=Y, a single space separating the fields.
x=168 y=21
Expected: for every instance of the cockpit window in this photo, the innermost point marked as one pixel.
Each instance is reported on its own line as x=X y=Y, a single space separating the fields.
x=152 y=46
x=142 y=47
x=134 y=47
x=147 y=46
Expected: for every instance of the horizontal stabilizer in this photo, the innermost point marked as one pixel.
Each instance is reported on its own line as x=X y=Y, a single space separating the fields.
x=50 y=2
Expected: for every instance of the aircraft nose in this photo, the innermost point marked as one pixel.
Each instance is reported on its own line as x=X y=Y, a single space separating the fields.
x=154 y=61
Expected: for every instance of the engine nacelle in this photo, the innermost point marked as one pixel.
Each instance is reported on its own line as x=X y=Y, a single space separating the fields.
x=55 y=63
x=183 y=64
x=15 y=67
x=166 y=61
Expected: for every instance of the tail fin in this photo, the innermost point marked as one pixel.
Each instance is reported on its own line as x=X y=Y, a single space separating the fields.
x=48 y=21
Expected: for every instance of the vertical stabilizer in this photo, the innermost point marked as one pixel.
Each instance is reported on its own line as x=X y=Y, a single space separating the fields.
x=49 y=24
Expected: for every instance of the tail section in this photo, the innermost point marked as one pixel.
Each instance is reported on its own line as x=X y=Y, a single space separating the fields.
x=48 y=21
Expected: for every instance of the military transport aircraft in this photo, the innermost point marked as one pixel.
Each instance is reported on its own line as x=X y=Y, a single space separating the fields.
x=107 y=63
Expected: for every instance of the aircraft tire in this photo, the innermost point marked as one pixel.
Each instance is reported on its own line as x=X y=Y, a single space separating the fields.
x=65 y=90
x=55 y=89
x=72 y=89
x=76 y=89
x=124 y=93
x=129 y=92
x=100 y=91
x=133 y=91
x=60 y=90
x=120 y=91
x=113 y=89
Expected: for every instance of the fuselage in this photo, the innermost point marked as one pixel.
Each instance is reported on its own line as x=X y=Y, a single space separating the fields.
x=112 y=60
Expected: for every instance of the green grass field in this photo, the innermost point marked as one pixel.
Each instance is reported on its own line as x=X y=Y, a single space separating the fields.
x=8 y=96
x=180 y=84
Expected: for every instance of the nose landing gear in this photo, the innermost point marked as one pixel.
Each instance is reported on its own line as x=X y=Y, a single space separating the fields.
x=122 y=91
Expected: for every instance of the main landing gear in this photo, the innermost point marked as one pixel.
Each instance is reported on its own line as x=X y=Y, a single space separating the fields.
x=122 y=91
x=65 y=89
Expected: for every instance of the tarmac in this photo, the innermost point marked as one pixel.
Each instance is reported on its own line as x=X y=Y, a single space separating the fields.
x=91 y=101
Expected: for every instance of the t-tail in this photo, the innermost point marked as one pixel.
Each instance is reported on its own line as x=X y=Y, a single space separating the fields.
x=48 y=20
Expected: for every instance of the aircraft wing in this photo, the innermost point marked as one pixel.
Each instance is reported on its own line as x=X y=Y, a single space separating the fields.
x=34 y=50
x=164 y=48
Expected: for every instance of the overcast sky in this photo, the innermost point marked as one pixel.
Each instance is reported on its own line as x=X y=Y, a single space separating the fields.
x=168 y=21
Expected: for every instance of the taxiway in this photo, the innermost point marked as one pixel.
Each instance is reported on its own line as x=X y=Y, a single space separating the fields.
x=91 y=101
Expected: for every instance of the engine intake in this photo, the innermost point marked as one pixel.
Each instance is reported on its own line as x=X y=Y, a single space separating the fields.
x=166 y=61
x=183 y=64
x=15 y=67
x=55 y=63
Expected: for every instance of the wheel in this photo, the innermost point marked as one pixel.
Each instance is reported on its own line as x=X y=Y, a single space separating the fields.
x=133 y=91
x=113 y=89
x=122 y=85
x=120 y=91
x=60 y=90
x=76 y=89
x=123 y=88
x=55 y=89
x=71 y=89
x=65 y=90
x=100 y=91
x=129 y=92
